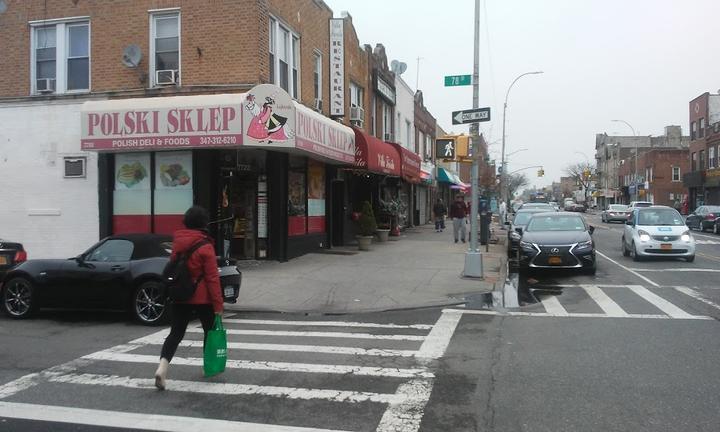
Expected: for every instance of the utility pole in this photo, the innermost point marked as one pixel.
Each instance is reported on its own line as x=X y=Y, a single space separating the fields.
x=473 y=257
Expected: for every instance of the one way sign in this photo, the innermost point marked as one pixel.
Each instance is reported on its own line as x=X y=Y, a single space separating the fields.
x=471 y=116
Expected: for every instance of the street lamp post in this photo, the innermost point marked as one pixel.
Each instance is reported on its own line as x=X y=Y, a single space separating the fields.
x=637 y=195
x=503 y=174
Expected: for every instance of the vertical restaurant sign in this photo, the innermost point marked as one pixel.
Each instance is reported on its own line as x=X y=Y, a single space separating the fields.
x=161 y=123
x=337 y=68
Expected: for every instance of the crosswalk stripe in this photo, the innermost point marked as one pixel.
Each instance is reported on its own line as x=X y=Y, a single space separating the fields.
x=606 y=303
x=553 y=307
x=340 y=335
x=696 y=295
x=328 y=324
x=437 y=341
x=229 y=388
x=137 y=421
x=660 y=302
x=273 y=366
x=406 y=415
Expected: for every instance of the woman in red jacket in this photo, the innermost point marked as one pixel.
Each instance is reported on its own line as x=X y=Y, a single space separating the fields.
x=207 y=299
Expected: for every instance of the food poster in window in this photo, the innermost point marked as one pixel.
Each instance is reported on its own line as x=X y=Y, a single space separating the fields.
x=269 y=117
x=131 y=197
x=173 y=190
x=297 y=204
x=316 y=197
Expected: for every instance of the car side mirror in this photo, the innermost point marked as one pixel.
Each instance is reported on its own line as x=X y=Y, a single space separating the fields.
x=507 y=222
x=630 y=222
x=591 y=229
x=518 y=230
x=79 y=259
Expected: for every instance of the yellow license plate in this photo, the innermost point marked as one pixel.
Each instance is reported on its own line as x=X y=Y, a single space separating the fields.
x=554 y=260
x=3 y=260
x=665 y=246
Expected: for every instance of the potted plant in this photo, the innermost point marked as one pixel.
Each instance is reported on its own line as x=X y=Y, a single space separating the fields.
x=383 y=231
x=367 y=226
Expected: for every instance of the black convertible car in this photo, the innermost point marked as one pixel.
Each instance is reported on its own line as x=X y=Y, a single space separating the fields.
x=119 y=272
x=11 y=254
x=559 y=240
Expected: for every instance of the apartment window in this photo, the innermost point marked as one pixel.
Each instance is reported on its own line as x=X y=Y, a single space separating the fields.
x=317 y=75
x=61 y=57
x=165 y=49
x=75 y=167
x=701 y=128
x=702 y=159
x=284 y=58
x=428 y=146
x=387 y=121
x=356 y=95
x=693 y=131
x=419 y=145
x=373 y=112
x=676 y=174
x=711 y=157
x=408 y=130
x=694 y=162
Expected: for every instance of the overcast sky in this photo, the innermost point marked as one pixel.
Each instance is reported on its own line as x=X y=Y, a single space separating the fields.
x=637 y=60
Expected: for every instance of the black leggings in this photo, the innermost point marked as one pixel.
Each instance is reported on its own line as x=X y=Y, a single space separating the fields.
x=181 y=315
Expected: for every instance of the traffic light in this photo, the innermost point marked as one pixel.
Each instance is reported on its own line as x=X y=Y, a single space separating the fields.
x=541 y=172
x=586 y=173
x=462 y=146
x=445 y=148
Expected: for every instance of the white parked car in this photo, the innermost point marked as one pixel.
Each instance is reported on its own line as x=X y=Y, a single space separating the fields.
x=657 y=231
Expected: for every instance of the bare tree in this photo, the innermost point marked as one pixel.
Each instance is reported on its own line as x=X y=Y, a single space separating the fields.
x=581 y=172
x=515 y=182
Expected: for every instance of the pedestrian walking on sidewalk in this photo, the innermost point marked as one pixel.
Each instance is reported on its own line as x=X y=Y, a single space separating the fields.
x=439 y=211
x=207 y=299
x=503 y=213
x=458 y=212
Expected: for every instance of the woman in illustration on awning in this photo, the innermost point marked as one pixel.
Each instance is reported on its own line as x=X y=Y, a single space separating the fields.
x=265 y=125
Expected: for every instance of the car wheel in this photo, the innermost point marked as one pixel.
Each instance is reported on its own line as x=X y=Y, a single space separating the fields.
x=625 y=250
x=690 y=258
x=18 y=296
x=634 y=253
x=150 y=303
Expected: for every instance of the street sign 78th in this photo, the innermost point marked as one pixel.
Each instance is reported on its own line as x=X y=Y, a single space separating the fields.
x=458 y=80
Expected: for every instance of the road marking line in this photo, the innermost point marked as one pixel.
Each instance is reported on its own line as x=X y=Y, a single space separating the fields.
x=696 y=295
x=407 y=415
x=710 y=257
x=679 y=270
x=660 y=302
x=553 y=307
x=136 y=421
x=329 y=324
x=274 y=366
x=339 y=335
x=607 y=304
x=577 y=315
x=626 y=268
x=33 y=379
x=439 y=337
x=228 y=388
x=321 y=349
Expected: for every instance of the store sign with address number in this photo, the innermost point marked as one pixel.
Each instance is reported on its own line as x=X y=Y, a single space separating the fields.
x=147 y=124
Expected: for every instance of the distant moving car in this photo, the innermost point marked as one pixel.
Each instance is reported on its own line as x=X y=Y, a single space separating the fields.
x=615 y=212
x=555 y=205
x=11 y=254
x=537 y=205
x=657 y=231
x=638 y=204
x=518 y=224
x=558 y=240
x=704 y=218
x=574 y=207
x=120 y=272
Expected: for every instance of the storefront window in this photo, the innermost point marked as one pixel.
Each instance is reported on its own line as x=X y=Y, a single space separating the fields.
x=316 y=197
x=173 y=193
x=297 y=197
x=132 y=194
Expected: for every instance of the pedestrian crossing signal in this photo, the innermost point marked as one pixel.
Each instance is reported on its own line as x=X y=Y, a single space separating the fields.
x=445 y=148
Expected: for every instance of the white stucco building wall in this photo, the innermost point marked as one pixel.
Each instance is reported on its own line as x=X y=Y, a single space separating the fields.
x=404 y=114
x=53 y=216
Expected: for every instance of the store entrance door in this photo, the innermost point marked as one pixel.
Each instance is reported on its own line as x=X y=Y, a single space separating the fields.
x=239 y=228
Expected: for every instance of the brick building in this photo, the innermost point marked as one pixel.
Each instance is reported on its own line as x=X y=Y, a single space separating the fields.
x=703 y=177
x=249 y=125
x=660 y=170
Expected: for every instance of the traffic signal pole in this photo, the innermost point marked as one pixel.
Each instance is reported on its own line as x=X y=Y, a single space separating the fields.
x=473 y=257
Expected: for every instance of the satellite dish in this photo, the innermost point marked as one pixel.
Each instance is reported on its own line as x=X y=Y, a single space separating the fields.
x=398 y=67
x=402 y=68
x=131 y=56
x=394 y=65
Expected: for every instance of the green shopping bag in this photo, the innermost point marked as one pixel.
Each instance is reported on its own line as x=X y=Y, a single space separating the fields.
x=215 y=351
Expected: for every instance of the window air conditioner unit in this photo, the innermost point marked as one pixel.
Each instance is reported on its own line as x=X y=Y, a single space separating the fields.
x=45 y=85
x=166 y=76
x=357 y=113
x=389 y=137
x=357 y=123
x=318 y=105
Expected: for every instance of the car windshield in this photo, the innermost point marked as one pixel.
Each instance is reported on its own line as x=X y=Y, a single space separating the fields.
x=522 y=218
x=660 y=217
x=556 y=223
x=713 y=209
x=617 y=207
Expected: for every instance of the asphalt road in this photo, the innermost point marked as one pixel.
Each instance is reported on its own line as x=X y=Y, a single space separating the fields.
x=633 y=348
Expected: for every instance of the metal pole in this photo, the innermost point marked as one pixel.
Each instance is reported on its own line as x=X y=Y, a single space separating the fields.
x=637 y=191
x=473 y=257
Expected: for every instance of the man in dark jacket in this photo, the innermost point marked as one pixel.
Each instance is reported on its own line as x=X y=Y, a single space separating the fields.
x=458 y=211
x=439 y=211
x=207 y=300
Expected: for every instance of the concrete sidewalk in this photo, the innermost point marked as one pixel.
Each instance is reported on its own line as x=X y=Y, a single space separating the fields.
x=421 y=269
